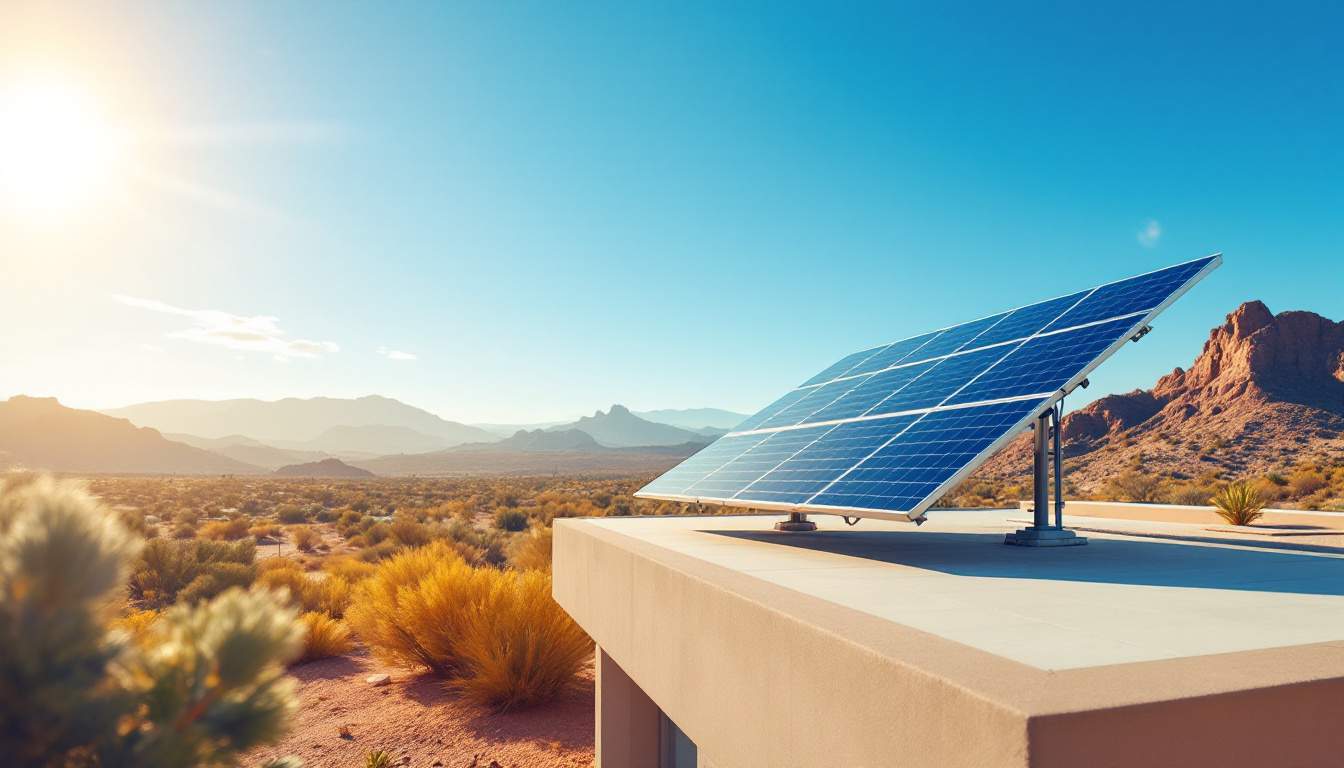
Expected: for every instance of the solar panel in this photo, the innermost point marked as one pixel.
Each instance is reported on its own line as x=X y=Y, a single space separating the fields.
x=886 y=431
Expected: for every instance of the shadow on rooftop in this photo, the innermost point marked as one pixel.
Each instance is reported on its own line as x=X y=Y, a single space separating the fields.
x=1103 y=560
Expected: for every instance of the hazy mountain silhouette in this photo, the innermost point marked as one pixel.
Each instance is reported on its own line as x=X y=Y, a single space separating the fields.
x=249 y=451
x=323 y=468
x=703 y=420
x=619 y=428
x=294 y=420
x=40 y=433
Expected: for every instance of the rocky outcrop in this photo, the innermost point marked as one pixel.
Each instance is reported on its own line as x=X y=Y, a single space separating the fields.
x=1267 y=391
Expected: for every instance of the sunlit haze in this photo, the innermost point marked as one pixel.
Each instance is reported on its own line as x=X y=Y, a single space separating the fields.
x=515 y=214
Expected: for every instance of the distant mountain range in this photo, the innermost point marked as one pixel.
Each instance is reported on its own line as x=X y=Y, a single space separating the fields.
x=248 y=451
x=40 y=433
x=696 y=419
x=306 y=424
x=619 y=428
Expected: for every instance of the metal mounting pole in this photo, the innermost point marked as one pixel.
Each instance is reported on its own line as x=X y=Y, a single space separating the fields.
x=1041 y=533
x=1056 y=432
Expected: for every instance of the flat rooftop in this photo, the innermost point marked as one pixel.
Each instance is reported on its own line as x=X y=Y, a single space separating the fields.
x=1121 y=599
x=1156 y=644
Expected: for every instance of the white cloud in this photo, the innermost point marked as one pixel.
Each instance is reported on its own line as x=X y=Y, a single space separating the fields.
x=396 y=354
x=1150 y=234
x=256 y=333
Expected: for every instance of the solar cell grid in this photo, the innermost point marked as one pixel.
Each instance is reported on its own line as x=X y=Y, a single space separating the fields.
x=886 y=430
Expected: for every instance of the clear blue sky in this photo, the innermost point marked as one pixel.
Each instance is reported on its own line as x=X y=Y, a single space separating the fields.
x=554 y=208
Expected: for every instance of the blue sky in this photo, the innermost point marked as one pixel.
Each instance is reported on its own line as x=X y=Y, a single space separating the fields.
x=557 y=208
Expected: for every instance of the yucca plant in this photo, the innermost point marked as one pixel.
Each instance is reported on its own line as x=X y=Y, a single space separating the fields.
x=378 y=758
x=1238 y=504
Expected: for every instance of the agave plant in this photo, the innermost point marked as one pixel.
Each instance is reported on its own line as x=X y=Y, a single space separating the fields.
x=1238 y=504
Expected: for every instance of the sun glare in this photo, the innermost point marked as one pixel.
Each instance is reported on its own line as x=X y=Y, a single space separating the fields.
x=57 y=150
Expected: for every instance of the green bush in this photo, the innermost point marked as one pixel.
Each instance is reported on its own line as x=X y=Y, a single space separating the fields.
x=202 y=685
x=166 y=567
x=510 y=519
x=290 y=515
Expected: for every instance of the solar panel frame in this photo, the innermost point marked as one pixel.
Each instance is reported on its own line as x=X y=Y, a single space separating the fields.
x=916 y=513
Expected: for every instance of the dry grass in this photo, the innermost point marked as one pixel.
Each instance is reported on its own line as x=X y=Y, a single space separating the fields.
x=416 y=605
x=136 y=625
x=348 y=568
x=305 y=537
x=533 y=551
x=521 y=648
x=330 y=595
x=225 y=530
x=1238 y=504
x=498 y=634
x=325 y=637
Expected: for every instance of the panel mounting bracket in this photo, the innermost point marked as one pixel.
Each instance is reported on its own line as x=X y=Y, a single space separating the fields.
x=1041 y=533
x=797 y=522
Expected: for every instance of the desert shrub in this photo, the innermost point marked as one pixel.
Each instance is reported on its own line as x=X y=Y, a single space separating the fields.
x=348 y=568
x=203 y=686
x=328 y=594
x=1238 y=504
x=533 y=551
x=1134 y=486
x=498 y=634
x=325 y=637
x=378 y=552
x=520 y=648
x=415 y=604
x=305 y=537
x=510 y=519
x=1189 y=494
x=378 y=758
x=263 y=531
x=215 y=579
x=288 y=514
x=136 y=625
x=225 y=530
x=1305 y=482
x=1268 y=489
x=165 y=568
x=408 y=532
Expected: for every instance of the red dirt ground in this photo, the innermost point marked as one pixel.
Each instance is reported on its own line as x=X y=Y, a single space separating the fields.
x=422 y=724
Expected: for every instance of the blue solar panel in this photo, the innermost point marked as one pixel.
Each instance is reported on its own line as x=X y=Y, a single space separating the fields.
x=885 y=431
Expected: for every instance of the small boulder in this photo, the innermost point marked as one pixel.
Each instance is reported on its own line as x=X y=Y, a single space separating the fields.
x=378 y=680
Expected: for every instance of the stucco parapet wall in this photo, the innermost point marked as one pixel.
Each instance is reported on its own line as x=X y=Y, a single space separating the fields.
x=696 y=611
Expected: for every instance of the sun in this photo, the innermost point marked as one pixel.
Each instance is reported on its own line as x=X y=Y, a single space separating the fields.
x=58 y=150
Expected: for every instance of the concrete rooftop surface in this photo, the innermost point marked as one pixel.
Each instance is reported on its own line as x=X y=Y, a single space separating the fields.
x=1120 y=599
x=1160 y=643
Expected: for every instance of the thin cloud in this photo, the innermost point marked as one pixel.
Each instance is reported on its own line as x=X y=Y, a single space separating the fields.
x=1150 y=234
x=396 y=354
x=255 y=333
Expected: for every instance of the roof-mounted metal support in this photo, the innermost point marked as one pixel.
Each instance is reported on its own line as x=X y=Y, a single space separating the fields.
x=797 y=522
x=1041 y=533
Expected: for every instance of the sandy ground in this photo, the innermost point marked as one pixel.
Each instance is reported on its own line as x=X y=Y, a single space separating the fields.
x=422 y=724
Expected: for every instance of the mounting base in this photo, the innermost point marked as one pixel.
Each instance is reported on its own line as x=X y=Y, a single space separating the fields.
x=797 y=522
x=1048 y=536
